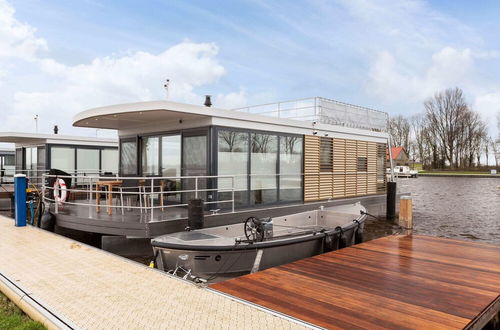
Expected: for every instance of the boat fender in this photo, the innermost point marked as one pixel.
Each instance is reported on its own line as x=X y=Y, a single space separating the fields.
x=328 y=242
x=341 y=237
x=48 y=221
x=59 y=184
x=358 y=233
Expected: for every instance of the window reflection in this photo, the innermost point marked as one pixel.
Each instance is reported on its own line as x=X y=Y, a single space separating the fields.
x=264 y=151
x=128 y=158
x=150 y=155
x=233 y=160
x=290 y=168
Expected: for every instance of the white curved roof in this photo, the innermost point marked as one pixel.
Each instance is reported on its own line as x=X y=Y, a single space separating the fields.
x=37 y=138
x=155 y=116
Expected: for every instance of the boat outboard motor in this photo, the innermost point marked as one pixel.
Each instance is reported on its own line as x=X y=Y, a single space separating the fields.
x=48 y=221
x=195 y=214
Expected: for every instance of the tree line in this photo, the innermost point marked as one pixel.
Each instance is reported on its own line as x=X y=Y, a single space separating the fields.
x=448 y=133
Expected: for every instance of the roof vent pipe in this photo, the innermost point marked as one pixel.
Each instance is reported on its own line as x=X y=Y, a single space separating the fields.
x=56 y=129
x=208 y=102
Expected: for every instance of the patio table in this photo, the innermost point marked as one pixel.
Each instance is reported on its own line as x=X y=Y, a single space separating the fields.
x=109 y=195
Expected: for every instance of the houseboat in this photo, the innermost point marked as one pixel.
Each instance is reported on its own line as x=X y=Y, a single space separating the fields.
x=37 y=153
x=267 y=160
x=7 y=165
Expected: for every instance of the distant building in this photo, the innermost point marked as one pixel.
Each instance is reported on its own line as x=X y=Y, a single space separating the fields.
x=399 y=156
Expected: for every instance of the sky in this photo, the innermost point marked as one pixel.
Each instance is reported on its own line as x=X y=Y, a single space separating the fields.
x=58 y=58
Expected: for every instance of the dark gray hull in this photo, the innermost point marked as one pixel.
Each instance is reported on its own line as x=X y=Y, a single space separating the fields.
x=215 y=262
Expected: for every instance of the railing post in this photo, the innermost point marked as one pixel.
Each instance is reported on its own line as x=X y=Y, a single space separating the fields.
x=90 y=197
x=151 y=199
x=232 y=192
x=20 y=198
x=196 y=187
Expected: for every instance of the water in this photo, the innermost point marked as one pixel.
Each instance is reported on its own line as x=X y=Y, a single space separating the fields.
x=454 y=207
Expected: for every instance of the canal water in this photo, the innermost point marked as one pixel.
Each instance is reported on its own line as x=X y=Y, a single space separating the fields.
x=455 y=207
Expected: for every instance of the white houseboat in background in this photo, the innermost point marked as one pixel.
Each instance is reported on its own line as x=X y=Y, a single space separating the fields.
x=36 y=154
x=7 y=165
x=266 y=160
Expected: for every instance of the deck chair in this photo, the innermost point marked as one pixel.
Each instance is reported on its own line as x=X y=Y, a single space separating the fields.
x=130 y=188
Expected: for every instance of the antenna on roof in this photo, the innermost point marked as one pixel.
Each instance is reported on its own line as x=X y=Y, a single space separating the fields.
x=166 y=86
x=36 y=123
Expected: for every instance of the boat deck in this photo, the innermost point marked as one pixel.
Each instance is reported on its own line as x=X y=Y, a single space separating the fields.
x=69 y=285
x=392 y=282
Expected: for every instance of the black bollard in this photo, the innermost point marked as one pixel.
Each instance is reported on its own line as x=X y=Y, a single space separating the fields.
x=391 y=201
x=195 y=214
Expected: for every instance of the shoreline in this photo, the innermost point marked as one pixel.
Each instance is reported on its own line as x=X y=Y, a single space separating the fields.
x=468 y=175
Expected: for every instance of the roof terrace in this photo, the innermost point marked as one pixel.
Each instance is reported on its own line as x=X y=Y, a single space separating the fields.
x=325 y=111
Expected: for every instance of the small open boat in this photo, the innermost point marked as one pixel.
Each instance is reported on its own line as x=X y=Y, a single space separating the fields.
x=216 y=253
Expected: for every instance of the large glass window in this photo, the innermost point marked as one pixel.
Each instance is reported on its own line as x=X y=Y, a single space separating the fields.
x=232 y=159
x=19 y=159
x=194 y=153
x=109 y=160
x=9 y=160
x=264 y=155
x=128 y=158
x=171 y=165
x=290 y=168
x=63 y=158
x=87 y=161
x=151 y=155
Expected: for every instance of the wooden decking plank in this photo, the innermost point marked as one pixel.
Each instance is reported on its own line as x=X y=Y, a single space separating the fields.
x=393 y=282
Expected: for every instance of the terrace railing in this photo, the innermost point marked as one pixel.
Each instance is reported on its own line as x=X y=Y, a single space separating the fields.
x=325 y=111
x=86 y=191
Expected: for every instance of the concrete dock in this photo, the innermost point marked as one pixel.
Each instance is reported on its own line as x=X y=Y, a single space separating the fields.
x=395 y=282
x=66 y=284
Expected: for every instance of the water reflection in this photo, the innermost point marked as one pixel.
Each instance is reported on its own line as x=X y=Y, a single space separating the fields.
x=462 y=208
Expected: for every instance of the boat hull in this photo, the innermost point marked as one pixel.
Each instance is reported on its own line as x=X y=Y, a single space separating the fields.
x=219 y=265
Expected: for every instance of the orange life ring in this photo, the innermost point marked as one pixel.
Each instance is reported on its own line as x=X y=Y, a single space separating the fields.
x=59 y=184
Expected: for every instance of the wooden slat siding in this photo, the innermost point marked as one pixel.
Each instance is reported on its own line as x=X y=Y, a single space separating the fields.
x=311 y=168
x=372 y=168
x=393 y=282
x=350 y=167
x=325 y=185
x=338 y=168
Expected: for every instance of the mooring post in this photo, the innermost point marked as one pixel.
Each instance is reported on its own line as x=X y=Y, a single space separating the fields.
x=20 y=199
x=391 y=201
x=406 y=214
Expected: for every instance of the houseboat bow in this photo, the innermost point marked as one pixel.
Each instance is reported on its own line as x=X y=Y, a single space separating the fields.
x=219 y=252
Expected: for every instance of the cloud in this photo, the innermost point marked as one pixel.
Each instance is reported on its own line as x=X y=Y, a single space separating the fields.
x=232 y=100
x=17 y=39
x=56 y=91
x=393 y=81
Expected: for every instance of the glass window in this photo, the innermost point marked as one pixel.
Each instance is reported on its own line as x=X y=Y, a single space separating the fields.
x=87 y=161
x=326 y=155
x=41 y=159
x=19 y=159
x=290 y=168
x=232 y=159
x=63 y=158
x=109 y=160
x=194 y=153
x=171 y=155
x=150 y=155
x=128 y=158
x=362 y=165
x=9 y=160
x=171 y=165
x=264 y=152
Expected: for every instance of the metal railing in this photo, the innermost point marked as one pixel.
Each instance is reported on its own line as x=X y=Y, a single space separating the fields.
x=323 y=110
x=146 y=189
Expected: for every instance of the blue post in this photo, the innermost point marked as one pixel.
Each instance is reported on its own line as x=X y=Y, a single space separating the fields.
x=20 y=199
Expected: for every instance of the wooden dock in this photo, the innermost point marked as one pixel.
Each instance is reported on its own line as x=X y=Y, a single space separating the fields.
x=69 y=285
x=393 y=282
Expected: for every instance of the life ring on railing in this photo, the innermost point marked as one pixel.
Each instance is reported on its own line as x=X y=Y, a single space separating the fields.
x=59 y=184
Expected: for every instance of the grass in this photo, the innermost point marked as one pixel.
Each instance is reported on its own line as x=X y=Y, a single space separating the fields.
x=11 y=317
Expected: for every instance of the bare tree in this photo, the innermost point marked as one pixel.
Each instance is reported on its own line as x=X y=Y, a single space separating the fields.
x=399 y=129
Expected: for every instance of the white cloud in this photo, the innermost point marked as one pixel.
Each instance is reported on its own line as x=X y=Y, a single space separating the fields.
x=17 y=39
x=56 y=91
x=393 y=81
x=231 y=100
